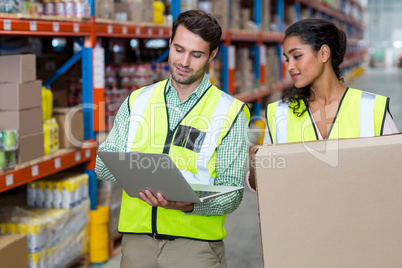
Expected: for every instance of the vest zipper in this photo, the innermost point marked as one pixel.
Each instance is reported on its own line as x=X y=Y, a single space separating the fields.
x=154 y=215
x=168 y=141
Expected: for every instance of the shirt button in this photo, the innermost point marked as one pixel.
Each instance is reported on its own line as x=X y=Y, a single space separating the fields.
x=176 y=109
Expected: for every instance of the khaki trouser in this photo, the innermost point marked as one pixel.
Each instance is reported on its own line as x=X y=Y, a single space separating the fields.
x=143 y=251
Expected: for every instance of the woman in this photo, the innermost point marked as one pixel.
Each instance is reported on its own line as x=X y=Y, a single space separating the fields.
x=319 y=106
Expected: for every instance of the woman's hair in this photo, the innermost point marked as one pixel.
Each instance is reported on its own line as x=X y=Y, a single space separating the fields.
x=200 y=23
x=316 y=33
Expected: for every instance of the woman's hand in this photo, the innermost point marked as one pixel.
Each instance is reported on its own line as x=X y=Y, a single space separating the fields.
x=253 y=152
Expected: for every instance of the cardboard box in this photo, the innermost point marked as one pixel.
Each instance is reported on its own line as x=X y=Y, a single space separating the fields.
x=13 y=251
x=27 y=121
x=60 y=97
x=71 y=126
x=133 y=11
x=331 y=203
x=20 y=96
x=17 y=68
x=30 y=147
x=104 y=9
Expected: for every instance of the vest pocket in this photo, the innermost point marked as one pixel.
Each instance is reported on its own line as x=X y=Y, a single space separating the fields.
x=189 y=137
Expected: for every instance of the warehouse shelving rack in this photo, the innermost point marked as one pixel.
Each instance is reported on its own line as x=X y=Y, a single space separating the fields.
x=93 y=98
x=48 y=165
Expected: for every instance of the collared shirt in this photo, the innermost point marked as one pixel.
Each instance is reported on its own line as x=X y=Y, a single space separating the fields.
x=231 y=155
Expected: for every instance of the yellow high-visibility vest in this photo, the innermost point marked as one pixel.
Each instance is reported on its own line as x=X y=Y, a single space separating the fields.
x=360 y=114
x=209 y=121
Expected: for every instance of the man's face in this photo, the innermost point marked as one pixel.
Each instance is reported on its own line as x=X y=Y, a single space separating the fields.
x=188 y=57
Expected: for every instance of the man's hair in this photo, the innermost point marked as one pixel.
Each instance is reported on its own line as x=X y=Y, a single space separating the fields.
x=200 y=23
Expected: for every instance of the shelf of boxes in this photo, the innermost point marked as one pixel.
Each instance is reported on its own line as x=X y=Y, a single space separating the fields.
x=21 y=26
x=319 y=7
x=264 y=91
x=47 y=165
x=116 y=29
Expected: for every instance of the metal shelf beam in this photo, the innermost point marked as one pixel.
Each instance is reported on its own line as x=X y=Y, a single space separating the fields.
x=50 y=164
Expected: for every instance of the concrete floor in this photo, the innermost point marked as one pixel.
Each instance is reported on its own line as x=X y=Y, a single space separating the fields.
x=243 y=245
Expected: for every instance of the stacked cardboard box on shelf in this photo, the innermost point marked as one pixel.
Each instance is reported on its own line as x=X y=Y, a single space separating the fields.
x=266 y=15
x=220 y=12
x=244 y=71
x=12 y=247
x=20 y=104
x=290 y=15
x=70 y=122
x=271 y=68
x=131 y=11
x=235 y=14
x=104 y=9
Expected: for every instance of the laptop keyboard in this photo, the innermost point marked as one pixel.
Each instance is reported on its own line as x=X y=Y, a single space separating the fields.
x=202 y=194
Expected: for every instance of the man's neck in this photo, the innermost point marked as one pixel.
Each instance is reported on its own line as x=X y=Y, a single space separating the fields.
x=183 y=90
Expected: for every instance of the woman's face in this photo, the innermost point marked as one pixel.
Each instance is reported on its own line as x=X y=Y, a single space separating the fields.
x=303 y=64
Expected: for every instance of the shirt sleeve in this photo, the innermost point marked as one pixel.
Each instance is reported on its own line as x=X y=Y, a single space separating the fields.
x=116 y=140
x=389 y=125
x=231 y=166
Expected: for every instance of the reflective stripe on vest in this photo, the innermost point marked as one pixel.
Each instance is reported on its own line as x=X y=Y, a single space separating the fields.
x=140 y=103
x=281 y=121
x=211 y=138
x=367 y=103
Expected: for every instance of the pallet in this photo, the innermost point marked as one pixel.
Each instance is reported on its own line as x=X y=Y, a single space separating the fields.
x=115 y=245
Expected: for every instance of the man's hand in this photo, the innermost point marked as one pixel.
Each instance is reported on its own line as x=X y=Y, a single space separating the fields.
x=160 y=201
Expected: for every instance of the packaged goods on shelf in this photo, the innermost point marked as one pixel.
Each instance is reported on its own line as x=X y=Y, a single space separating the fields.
x=205 y=5
x=109 y=195
x=67 y=192
x=51 y=136
x=159 y=11
x=7 y=159
x=70 y=122
x=187 y=5
x=214 y=72
x=122 y=79
x=55 y=237
x=47 y=103
x=8 y=140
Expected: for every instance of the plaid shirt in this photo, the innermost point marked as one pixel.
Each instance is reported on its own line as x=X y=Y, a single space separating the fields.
x=231 y=157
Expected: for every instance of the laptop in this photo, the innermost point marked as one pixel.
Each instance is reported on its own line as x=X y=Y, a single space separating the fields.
x=137 y=172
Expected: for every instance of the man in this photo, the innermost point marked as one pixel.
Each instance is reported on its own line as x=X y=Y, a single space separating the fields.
x=158 y=119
